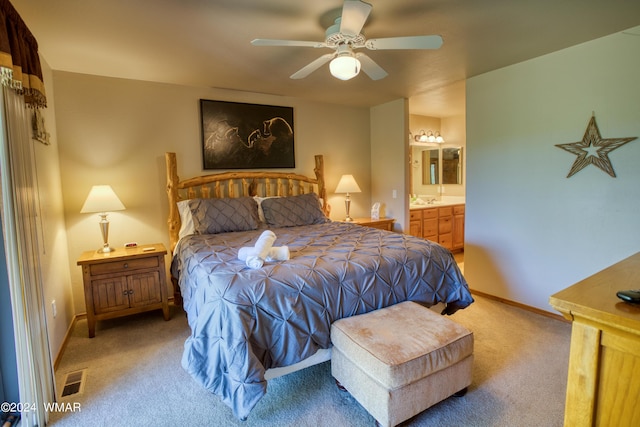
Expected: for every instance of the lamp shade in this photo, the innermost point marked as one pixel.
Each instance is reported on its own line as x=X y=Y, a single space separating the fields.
x=102 y=198
x=347 y=184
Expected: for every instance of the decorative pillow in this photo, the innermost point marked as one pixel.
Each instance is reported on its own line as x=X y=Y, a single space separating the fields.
x=291 y=211
x=186 y=220
x=211 y=216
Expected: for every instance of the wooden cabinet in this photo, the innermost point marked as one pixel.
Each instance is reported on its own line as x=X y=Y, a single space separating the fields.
x=430 y=224
x=415 y=222
x=458 y=227
x=603 y=385
x=123 y=282
x=443 y=224
x=382 y=223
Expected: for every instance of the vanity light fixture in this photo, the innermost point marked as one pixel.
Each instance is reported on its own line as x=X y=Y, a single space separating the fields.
x=429 y=137
x=423 y=136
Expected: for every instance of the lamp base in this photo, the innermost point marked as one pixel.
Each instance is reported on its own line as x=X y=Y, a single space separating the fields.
x=104 y=229
x=347 y=206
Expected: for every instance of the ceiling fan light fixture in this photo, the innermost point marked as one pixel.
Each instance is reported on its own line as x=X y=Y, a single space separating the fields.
x=344 y=37
x=344 y=67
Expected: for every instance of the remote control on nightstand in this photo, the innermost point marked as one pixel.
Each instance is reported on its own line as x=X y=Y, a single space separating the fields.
x=632 y=296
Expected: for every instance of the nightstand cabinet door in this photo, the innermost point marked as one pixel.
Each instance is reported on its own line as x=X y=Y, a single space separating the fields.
x=110 y=294
x=144 y=289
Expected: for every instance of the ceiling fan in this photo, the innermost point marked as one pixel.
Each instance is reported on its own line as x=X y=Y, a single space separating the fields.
x=344 y=37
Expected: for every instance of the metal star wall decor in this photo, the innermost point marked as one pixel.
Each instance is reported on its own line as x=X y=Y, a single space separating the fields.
x=593 y=149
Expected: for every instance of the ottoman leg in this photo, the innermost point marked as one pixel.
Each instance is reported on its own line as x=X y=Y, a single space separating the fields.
x=461 y=392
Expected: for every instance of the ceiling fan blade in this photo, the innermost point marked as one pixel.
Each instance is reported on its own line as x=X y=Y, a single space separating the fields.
x=354 y=15
x=274 y=42
x=411 y=42
x=373 y=70
x=310 y=68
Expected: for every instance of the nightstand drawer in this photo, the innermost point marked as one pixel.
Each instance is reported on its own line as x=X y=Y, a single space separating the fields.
x=124 y=265
x=380 y=223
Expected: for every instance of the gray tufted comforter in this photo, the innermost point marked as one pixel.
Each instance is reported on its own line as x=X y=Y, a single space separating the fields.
x=244 y=321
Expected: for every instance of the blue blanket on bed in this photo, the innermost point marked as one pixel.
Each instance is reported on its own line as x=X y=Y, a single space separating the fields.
x=244 y=321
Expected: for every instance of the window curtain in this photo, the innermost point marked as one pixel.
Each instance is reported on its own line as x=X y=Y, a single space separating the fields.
x=18 y=199
x=19 y=61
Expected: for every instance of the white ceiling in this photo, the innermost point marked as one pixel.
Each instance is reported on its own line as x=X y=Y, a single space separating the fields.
x=207 y=42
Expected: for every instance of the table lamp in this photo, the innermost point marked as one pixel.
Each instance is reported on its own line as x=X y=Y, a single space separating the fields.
x=102 y=199
x=347 y=184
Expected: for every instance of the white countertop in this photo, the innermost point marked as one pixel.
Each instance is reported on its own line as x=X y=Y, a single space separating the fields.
x=445 y=201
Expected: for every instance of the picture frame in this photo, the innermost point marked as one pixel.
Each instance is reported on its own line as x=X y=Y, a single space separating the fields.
x=238 y=135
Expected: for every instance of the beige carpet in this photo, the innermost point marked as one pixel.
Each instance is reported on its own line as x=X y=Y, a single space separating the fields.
x=134 y=378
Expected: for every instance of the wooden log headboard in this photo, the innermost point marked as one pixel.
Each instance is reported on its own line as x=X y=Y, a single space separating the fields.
x=238 y=184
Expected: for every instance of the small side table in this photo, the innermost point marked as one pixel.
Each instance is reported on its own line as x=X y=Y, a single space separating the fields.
x=124 y=282
x=382 y=223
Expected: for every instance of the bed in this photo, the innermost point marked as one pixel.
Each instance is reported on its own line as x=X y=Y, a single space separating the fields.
x=248 y=322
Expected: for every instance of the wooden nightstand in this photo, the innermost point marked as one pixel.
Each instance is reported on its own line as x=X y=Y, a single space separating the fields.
x=123 y=282
x=382 y=223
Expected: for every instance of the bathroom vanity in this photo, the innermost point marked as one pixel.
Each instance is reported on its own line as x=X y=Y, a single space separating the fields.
x=439 y=222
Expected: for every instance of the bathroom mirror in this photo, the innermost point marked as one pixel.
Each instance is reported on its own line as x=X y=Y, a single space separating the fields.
x=434 y=165
x=430 y=162
x=452 y=165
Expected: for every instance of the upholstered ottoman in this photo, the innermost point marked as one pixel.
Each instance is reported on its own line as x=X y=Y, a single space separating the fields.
x=400 y=360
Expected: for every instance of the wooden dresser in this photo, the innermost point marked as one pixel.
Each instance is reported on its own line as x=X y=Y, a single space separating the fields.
x=123 y=282
x=604 y=366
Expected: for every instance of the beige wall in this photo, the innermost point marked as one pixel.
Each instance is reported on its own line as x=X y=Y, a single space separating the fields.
x=530 y=231
x=54 y=255
x=389 y=160
x=115 y=131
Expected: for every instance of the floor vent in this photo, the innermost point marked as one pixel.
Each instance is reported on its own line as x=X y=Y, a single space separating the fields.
x=74 y=383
